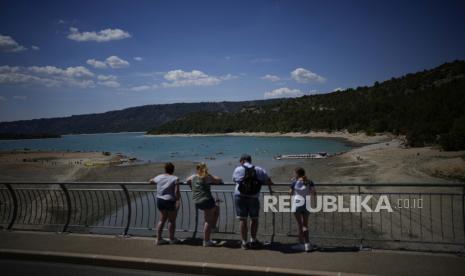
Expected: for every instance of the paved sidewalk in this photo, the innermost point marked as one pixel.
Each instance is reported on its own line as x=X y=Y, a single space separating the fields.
x=138 y=252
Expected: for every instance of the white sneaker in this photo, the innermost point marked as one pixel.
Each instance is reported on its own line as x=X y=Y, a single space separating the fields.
x=160 y=242
x=209 y=243
x=308 y=247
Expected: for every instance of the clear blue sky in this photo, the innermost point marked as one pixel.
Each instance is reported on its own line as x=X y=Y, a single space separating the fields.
x=59 y=58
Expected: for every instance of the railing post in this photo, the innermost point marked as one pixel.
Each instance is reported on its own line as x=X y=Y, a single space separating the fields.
x=68 y=203
x=273 y=226
x=128 y=200
x=361 y=218
x=196 y=222
x=273 y=221
x=463 y=214
x=15 y=206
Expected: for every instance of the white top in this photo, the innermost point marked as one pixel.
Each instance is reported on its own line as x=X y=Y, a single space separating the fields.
x=301 y=189
x=166 y=185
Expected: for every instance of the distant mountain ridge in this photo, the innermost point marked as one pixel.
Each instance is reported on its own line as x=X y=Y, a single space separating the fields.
x=141 y=118
x=428 y=107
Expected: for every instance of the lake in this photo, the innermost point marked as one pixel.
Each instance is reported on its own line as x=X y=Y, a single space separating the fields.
x=195 y=148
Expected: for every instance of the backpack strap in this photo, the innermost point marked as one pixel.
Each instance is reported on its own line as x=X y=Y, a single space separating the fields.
x=247 y=168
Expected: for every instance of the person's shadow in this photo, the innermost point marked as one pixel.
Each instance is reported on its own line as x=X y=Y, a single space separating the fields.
x=293 y=248
x=286 y=248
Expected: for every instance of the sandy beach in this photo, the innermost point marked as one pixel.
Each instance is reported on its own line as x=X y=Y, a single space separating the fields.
x=386 y=162
x=381 y=159
x=47 y=166
x=356 y=138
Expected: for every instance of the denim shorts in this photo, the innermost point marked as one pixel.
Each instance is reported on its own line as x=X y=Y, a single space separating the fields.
x=166 y=205
x=206 y=204
x=247 y=207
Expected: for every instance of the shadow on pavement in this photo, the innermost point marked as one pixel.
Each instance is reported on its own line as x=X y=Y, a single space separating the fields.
x=286 y=248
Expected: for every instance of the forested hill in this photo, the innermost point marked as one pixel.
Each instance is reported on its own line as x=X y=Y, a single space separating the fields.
x=427 y=106
x=142 y=118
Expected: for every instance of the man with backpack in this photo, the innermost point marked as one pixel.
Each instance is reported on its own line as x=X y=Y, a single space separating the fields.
x=249 y=180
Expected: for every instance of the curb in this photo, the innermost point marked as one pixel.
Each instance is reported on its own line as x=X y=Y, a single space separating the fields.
x=157 y=264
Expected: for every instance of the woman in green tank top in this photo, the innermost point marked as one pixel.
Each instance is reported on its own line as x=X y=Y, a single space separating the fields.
x=203 y=199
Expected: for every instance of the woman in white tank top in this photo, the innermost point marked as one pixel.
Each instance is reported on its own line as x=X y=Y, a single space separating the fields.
x=301 y=189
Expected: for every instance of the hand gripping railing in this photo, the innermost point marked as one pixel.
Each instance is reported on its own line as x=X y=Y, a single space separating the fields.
x=130 y=209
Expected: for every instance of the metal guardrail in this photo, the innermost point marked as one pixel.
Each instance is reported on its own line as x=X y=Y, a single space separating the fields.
x=130 y=209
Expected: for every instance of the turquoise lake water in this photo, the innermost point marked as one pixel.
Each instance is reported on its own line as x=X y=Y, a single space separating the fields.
x=199 y=148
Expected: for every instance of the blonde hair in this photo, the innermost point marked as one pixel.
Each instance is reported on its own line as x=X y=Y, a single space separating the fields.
x=202 y=169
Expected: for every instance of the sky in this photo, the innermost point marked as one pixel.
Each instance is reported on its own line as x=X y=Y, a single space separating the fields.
x=61 y=58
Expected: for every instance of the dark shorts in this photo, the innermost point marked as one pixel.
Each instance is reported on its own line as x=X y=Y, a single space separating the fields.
x=206 y=204
x=302 y=210
x=247 y=207
x=166 y=205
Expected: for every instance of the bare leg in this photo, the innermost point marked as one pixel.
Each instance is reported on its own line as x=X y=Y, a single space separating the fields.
x=243 y=225
x=216 y=216
x=161 y=224
x=172 y=219
x=305 y=227
x=298 y=217
x=253 y=228
x=211 y=216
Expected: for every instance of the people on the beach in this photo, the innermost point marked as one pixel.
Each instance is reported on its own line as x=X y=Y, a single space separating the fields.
x=249 y=179
x=203 y=199
x=302 y=187
x=168 y=200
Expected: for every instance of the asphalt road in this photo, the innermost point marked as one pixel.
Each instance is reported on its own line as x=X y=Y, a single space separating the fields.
x=32 y=268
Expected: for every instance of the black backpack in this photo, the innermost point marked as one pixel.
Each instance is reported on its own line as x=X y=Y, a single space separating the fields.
x=250 y=184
